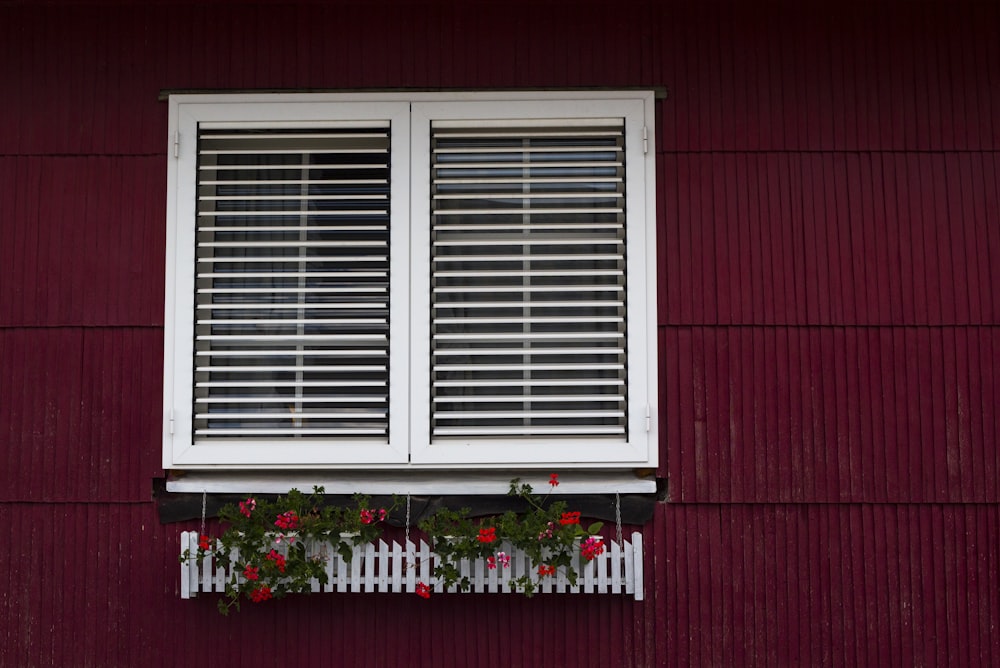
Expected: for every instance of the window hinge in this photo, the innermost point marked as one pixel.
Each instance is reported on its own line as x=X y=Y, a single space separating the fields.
x=645 y=140
x=170 y=422
x=649 y=418
x=177 y=145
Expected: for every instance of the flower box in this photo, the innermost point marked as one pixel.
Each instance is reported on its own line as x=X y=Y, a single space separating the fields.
x=383 y=566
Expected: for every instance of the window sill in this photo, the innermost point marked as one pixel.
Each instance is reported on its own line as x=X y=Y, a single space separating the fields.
x=450 y=482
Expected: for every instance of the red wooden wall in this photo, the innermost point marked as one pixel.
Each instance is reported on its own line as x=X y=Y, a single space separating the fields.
x=829 y=216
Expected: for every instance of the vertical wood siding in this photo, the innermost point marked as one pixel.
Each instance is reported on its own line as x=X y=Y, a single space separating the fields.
x=829 y=248
x=843 y=238
x=79 y=414
x=87 y=246
x=829 y=585
x=734 y=585
x=832 y=414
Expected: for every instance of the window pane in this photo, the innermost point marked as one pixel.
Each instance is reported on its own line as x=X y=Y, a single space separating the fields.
x=292 y=276
x=528 y=270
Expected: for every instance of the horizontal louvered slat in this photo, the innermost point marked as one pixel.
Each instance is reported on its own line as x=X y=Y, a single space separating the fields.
x=529 y=430
x=257 y=353
x=551 y=382
x=537 y=305
x=285 y=151
x=529 y=289
x=495 y=352
x=291 y=284
x=286 y=229
x=588 y=242
x=524 y=211
x=536 y=398
x=284 y=432
x=536 y=237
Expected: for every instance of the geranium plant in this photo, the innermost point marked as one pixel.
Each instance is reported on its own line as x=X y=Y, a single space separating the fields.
x=548 y=533
x=274 y=548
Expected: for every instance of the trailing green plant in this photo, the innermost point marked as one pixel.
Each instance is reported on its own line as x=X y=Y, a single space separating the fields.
x=547 y=532
x=274 y=548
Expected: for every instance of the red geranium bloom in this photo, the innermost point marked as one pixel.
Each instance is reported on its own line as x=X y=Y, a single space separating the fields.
x=251 y=572
x=423 y=591
x=287 y=520
x=260 y=594
x=278 y=559
x=487 y=535
x=592 y=547
x=554 y=479
x=205 y=542
x=570 y=518
x=246 y=507
x=544 y=570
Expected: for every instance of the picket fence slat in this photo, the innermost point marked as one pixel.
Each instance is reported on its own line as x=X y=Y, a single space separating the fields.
x=391 y=567
x=187 y=591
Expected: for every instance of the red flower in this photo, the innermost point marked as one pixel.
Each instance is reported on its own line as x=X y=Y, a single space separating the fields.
x=491 y=563
x=423 y=591
x=592 y=547
x=279 y=560
x=287 y=520
x=487 y=535
x=246 y=507
x=570 y=518
x=544 y=570
x=204 y=543
x=260 y=594
x=369 y=516
x=554 y=479
x=251 y=572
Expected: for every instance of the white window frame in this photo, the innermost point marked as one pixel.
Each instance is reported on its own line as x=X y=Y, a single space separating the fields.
x=409 y=445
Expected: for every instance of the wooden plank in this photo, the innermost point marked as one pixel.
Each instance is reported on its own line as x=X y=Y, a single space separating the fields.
x=873 y=419
x=396 y=568
x=615 y=563
x=703 y=257
x=920 y=478
x=411 y=563
x=763 y=407
x=756 y=216
x=667 y=247
x=968 y=211
x=204 y=565
x=382 y=583
x=369 y=568
x=426 y=565
x=684 y=249
x=789 y=460
x=739 y=184
x=185 y=568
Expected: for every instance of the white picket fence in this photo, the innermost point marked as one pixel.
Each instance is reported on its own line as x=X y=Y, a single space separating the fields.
x=392 y=567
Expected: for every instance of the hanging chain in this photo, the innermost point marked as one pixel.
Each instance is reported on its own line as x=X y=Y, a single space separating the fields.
x=407 y=525
x=204 y=500
x=618 y=516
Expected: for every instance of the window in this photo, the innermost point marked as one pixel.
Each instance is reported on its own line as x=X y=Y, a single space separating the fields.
x=410 y=281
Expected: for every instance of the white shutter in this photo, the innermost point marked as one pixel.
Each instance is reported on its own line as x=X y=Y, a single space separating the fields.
x=528 y=279
x=292 y=284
